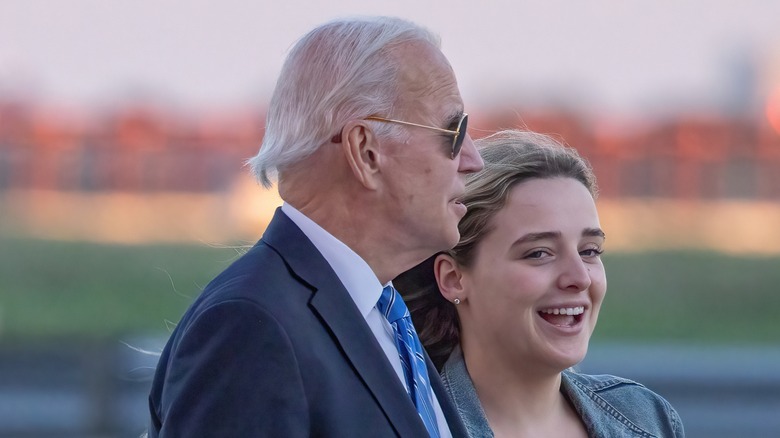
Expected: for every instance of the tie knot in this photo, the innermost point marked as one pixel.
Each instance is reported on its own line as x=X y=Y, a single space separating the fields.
x=392 y=305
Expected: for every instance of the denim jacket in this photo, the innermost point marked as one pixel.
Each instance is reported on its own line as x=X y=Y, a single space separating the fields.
x=609 y=406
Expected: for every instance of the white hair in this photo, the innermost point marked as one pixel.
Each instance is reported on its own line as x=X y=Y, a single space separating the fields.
x=340 y=71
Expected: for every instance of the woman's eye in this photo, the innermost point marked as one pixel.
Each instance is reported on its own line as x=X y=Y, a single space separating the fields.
x=593 y=252
x=536 y=254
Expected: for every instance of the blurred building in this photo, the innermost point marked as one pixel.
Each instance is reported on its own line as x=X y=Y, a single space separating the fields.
x=142 y=148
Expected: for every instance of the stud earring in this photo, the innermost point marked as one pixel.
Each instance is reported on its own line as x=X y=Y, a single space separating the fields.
x=456 y=301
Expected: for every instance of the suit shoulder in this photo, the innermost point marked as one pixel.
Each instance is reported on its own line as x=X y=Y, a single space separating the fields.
x=257 y=273
x=260 y=278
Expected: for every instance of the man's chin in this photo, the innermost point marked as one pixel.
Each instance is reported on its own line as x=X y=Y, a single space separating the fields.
x=452 y=239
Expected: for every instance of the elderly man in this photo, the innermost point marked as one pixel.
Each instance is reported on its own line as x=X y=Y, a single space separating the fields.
x=303 y=335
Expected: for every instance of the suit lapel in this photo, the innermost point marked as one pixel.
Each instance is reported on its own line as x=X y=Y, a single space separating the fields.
x=335 y=308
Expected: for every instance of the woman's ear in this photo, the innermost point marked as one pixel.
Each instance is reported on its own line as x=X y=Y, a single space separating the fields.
x=362 y=152
x=449 y=278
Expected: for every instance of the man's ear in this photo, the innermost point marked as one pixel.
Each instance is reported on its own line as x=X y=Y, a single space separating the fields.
x=361 y=148
x=449 y=277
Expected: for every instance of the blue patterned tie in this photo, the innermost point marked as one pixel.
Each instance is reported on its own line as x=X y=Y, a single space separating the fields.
x=412 y=359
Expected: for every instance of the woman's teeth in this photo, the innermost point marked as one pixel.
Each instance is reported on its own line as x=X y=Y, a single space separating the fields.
x=565 y=311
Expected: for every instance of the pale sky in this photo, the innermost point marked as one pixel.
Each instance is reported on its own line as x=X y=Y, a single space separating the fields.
x=606 y=55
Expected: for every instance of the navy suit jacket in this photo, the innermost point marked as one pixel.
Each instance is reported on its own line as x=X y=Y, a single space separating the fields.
x=275 y=347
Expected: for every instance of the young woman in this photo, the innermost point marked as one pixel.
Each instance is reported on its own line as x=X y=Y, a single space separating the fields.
x=509 y=310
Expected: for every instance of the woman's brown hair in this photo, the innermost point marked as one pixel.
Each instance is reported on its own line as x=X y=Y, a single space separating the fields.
x=510 y=157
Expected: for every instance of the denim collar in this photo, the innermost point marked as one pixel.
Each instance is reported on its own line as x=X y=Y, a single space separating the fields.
x=461 y=390
x=602 y=414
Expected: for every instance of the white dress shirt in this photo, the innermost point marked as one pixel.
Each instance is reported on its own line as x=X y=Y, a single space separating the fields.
x=364 y=288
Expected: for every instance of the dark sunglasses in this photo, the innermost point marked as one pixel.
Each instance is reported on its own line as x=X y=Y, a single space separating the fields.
x=459 y=134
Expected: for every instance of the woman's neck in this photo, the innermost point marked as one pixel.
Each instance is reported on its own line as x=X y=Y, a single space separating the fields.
x=522 y=400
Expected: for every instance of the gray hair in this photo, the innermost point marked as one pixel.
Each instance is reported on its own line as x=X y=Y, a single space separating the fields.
x=340 y=71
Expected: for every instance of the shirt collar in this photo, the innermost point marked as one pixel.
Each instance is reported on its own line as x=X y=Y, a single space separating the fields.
x=355 y=274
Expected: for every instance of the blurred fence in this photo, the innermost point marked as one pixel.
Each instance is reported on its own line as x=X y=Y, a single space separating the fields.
x=147 y=148
x=72 y=389
x=719 y=391
x=100 y=390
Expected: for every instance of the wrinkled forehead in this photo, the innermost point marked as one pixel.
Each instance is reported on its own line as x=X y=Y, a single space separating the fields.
x=426 y=81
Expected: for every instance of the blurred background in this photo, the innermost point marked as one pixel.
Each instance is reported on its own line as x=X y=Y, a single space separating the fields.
x=124 y=126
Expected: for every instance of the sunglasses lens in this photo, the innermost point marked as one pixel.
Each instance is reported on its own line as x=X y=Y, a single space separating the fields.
x=457 y=144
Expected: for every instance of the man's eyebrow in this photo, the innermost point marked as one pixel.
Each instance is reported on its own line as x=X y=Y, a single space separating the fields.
x=453 y=119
